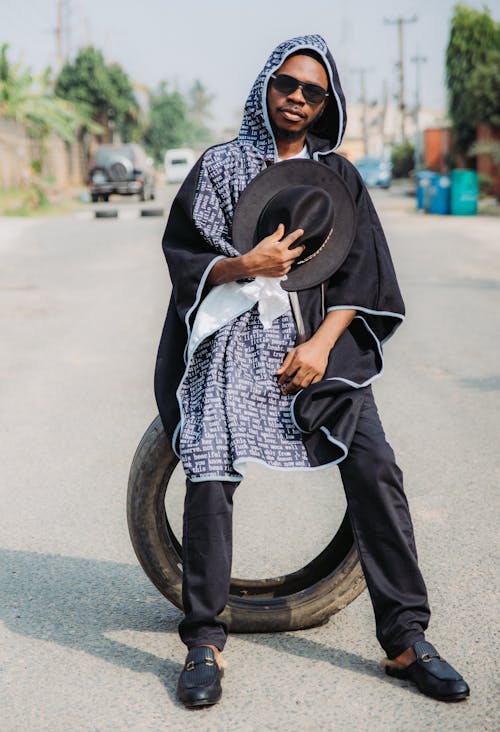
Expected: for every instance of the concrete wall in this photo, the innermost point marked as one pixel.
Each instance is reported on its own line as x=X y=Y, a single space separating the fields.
x=484 y=163
x=67 y=164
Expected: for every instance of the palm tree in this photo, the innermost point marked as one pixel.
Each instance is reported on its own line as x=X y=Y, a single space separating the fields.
x=37 y=109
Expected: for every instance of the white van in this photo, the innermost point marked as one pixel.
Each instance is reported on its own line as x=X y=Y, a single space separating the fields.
x=178 y=163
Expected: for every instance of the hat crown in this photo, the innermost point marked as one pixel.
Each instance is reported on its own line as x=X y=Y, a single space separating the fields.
x=304 y=207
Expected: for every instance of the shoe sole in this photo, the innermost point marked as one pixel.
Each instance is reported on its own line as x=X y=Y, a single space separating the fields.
x=396 y=674
x=201 y=703
x=454 y=698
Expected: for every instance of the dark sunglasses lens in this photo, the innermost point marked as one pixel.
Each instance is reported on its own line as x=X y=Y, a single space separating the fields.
x=285 y=84
x=312 y=93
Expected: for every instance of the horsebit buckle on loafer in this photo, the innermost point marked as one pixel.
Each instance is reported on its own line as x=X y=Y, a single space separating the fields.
x=191 y=665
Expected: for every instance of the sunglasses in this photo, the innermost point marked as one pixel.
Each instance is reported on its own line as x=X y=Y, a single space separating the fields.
x=312 y=93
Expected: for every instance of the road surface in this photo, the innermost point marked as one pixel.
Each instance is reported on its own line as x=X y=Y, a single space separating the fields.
x=87 y=642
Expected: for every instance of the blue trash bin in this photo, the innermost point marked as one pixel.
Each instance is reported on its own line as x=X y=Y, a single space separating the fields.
x=464 y=192
x=440 y=195
x=424 y=179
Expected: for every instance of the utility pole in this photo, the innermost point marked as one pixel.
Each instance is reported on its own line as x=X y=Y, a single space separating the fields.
x=402 y=106
x=382 y=117
x=418 y=60
x=364 y=121
x=67 y=28
x=62 y=31
x=59 y=33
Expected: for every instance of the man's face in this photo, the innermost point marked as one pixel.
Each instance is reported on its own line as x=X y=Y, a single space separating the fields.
x=290 y=114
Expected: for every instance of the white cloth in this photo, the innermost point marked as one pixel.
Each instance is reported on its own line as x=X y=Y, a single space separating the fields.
x=225 y=302
x=272 y=298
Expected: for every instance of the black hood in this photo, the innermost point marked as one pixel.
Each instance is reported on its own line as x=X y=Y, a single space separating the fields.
x=330 y=127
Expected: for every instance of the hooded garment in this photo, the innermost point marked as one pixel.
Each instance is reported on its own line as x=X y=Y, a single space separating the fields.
x=215 y=381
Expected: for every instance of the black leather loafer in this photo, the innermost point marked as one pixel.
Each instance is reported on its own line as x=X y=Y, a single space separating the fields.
x=199 y=682
x=432 y=674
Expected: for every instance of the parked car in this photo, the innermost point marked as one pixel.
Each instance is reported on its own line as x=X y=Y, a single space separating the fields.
x=375 y=171
x=178 y=163
x=123 y=169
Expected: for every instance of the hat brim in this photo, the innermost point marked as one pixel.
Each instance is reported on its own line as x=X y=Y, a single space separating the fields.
x=298 y=172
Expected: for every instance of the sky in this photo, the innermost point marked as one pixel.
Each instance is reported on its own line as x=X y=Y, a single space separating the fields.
x=225 y=44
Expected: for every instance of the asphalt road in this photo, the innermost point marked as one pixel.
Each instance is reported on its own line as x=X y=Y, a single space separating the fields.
x=87 y=642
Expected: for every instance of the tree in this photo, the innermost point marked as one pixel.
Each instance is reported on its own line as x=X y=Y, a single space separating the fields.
x=199 y=103
x=169 y=125
x=473 y=36
x=103 y=91
x=484 y=90
x=402 y=159
x=36 y=108
x=125 y=106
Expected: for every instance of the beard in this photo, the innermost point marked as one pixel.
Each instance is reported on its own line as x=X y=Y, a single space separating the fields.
x=291 y=135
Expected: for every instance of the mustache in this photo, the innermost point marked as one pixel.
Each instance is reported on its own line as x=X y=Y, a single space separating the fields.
x=293 y=110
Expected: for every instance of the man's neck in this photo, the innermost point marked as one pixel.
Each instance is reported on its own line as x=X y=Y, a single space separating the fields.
x=289 y=148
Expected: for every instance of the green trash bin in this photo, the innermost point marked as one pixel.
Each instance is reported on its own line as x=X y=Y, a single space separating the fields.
x=464 y=192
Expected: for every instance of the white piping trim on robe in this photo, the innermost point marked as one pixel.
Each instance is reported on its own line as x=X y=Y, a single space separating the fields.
x=354 y=384
x=398 y=316
x=199 y=291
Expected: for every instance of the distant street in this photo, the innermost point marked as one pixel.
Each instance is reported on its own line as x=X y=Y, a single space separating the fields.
x=87 y=642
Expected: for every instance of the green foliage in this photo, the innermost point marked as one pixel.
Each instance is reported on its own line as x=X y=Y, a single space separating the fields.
x=487 y=147
x=169 y=124
x=177 y=121
x=102 y=92
x=199 y=102
x=474 y=39
x=402 y=159
x=29 y=200
x=29 y=100
x=484 y=90
x=485 y=183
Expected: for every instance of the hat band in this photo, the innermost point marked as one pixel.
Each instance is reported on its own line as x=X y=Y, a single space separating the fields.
x=315 y=254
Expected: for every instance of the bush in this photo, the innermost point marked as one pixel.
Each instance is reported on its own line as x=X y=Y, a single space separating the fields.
x=485 y=184
x=402 y=159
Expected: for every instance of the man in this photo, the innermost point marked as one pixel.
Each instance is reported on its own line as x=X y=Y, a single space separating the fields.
x=215 y=364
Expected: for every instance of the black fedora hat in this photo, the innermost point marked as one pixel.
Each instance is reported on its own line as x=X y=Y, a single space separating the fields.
x=301 y=194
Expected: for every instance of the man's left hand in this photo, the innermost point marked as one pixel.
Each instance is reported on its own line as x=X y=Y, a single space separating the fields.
x=304 y=365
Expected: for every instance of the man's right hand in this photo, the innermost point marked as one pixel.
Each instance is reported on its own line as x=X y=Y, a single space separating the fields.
x=271 y=257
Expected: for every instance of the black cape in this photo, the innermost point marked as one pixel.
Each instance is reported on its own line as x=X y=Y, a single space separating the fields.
x=198 y=233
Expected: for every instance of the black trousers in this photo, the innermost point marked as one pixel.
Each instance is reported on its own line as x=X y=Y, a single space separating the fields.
x=382 y=529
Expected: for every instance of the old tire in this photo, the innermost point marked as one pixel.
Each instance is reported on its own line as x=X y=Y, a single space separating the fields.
x=109 y=213
x=298 y=600
x=145 y=212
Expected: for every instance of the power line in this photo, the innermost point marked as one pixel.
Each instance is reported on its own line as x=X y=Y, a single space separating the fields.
x=400 y=22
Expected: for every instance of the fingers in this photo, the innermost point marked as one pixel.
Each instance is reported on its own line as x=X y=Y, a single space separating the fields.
x=294 y=376
x=277 y=235
x=300 y=381
x=289 y=240
x=283 y=369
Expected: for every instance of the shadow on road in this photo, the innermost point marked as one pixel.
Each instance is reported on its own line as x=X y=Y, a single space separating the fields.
x=306 y=648
x=76 y=602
